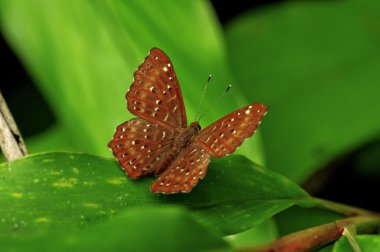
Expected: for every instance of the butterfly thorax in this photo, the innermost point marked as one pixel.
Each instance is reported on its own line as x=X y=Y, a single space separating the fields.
x=186 y=136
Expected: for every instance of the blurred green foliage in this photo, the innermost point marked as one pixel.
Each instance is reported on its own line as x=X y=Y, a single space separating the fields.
x=316 y=64
x=367 y=243
x=83 y=55
x=137 y=229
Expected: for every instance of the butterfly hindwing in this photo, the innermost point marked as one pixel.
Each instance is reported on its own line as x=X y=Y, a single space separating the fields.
x=141 y=147
x=155 y=94
x=184 y=173
x=225 y=135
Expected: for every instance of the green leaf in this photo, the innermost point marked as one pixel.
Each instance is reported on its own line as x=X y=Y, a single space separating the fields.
x=326 y=248
x=54 y=136
x=82 y=55
x=137 y=229
x=367 y=243
x=262 y=233
x=315 y=64
x=367 y=160
x=70 y=190
x=295 y=219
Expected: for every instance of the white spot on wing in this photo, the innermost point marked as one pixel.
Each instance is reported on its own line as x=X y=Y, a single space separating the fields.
x=166 y=117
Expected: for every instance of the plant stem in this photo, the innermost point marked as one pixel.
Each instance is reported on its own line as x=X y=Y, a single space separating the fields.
x=316 y=237
x=351 y=238
x=343 y=209
x=11 y=142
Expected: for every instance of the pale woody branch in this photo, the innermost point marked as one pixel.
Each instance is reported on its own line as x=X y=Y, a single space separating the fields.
x=11 y=142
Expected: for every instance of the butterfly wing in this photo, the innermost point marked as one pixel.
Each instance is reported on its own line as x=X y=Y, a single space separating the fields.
x=155 y=94
x=184 y=173
x=225 y=135
x=142 y=148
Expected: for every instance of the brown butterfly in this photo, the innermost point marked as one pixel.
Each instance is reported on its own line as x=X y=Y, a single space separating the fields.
x=159 y=141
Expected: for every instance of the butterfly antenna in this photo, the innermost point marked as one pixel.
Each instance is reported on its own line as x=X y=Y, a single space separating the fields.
x=202 y=97
x=216 y=101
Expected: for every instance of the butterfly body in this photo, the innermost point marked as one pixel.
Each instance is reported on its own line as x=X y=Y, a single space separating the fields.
x=185 y=137
x=160 y=142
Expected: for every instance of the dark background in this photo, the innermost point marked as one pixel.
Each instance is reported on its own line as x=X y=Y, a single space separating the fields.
x=339 y=181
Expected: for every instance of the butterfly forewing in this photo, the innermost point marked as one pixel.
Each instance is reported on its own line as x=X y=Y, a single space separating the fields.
x=141 y=147
x=183 y=174
x=225 y=135
x=155 y=94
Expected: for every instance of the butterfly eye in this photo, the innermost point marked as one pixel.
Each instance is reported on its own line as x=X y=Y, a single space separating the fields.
x=196 y=126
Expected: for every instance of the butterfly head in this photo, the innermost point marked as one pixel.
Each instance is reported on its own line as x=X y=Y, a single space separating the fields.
x=196 y=126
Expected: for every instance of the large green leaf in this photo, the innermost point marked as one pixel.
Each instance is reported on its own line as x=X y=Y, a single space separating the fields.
x=83 y=55
x=69 y=190
x=316 y=64
x=137 y=229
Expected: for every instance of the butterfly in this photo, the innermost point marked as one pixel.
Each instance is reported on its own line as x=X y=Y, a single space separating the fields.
x=160 y=142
